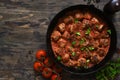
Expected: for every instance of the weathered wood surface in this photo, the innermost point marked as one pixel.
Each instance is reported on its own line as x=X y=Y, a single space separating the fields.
x=23 y=26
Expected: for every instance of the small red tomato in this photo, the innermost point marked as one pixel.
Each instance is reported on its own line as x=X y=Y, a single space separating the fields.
x=57 y=69
x=55 y=77
x=48 y=62
x=38 y=66
x=41 y=54
x=47 y=72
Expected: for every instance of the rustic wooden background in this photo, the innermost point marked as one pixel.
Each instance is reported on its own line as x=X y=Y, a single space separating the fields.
x=23 y=26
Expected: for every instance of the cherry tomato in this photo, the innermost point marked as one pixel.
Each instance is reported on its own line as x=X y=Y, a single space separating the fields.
x=41 y=54
x=57 y=68
x=47 y=72
x=38 y=66
x=55 y=77
x=48 y=62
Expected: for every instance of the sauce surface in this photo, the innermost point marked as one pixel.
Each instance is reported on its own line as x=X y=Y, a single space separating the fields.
x=80 y=39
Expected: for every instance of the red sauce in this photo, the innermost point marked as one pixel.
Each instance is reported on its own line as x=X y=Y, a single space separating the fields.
x=80 y=40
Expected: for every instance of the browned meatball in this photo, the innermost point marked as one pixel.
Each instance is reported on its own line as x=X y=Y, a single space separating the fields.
x=104 y=34
x=95 y=43
x=82 y=62
x=71 y=63
x=104 y=42
x=75 y=55
x=86 y=23
x=79 y=15
x=68 y=20
x=87 y=55
x=95 y=59
x=58 y=51
x=101 y=52
x=87 y=16
x=94 y=20
x=66 y=35
x=61 y=27
x=94 y=34
x=65 y=57
x=56 y=35
x=62 y=42
x=70 y=28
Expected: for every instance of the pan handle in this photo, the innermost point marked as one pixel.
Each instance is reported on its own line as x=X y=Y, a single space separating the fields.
x=112 y=6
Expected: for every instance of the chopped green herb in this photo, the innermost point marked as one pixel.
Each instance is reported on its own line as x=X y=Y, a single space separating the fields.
x=73 y=43
x=76 y=20
x=78 y=33
x=88 y=31
x=59 y=58
x=87 y=49
x=82 y=41
x=91 y=48
x=97 y=26
x=87 y=60
x=83 y=48
x=73 y=53
x=109 y=31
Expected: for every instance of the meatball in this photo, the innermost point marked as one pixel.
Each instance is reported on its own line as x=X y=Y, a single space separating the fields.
x=58 y=51
x=66 y=35
x=94 y=20
x=95 y=43
x=61 y=27
x=79 y=16
x=71 y=63
x=62 y=42
x=70 y=28
x=104 y=42
x=94 y=34
x=68 y=20
x=75 y=55
x=87 y=16
x=87 y=55
x=86 y=22
x=95 y=59
x=56 y=35
x=65 y=57
x=82 y=62
x=101 y=52
x=104 y=34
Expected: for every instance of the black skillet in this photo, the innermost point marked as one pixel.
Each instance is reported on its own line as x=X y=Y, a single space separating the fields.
x=94 y=11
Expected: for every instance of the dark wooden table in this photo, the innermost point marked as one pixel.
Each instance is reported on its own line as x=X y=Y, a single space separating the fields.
x=23 y=26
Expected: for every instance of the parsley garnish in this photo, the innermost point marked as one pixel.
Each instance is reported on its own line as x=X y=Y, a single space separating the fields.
x=88 y=31
x=82 y=48
x=109 y=71
x=91 y=48
x=59 y=58
x=82 y=41
x=76 y=20
x=73 y=53
x=78 y=33
x=109 y=31
x=74 y=42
